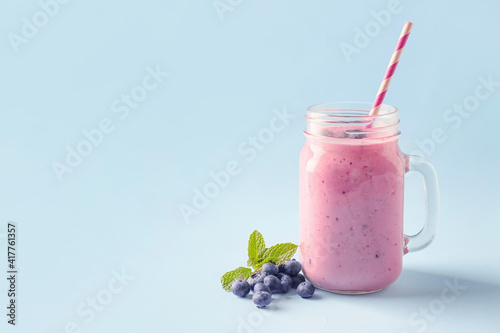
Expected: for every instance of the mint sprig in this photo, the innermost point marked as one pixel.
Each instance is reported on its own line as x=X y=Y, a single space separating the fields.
x=278 y=254
x=258 y=255
x=256 y=248
x=228 y=278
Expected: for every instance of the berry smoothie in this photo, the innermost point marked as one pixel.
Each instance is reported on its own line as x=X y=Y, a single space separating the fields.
x=351 y=213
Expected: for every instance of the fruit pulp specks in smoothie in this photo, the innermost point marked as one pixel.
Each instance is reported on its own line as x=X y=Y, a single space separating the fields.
x=351 y=214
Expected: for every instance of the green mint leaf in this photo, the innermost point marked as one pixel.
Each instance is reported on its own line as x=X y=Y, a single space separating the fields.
x=228 y=278
x=278 y=254
x=252 y=262
x=256 y=247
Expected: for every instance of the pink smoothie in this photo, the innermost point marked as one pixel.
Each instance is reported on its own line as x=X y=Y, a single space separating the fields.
x=351 y=213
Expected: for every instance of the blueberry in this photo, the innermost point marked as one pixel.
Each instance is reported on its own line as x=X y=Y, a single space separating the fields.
x=251 y=281
x=292 y=267
x=305 y=289
x=256 y=278
x=270 y=268
x=286 y=283
x=357 y=135
x=261 y=277
x=262 y=299
x=297 y=279
x=261 y=287
x=326 y=133
x=273 y=283
x=280 y=268
x=240 y=288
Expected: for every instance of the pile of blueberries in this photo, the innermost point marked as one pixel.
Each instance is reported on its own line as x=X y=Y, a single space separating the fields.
x=273 y=279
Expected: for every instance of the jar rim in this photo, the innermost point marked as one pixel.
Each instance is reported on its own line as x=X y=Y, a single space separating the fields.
x=354 y=110
x=351 y=120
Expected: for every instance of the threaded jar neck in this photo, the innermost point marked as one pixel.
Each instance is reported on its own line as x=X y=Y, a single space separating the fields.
x=351 y=122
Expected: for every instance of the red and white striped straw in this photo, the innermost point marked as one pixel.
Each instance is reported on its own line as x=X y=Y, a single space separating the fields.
x=391 y=68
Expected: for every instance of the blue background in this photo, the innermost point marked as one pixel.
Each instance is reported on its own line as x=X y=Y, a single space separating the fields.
x=119 y=208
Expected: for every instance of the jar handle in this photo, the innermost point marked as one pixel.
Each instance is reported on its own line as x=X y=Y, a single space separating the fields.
x=424 y=237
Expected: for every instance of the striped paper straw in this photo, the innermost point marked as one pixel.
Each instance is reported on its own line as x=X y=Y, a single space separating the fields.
x=391 y=68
